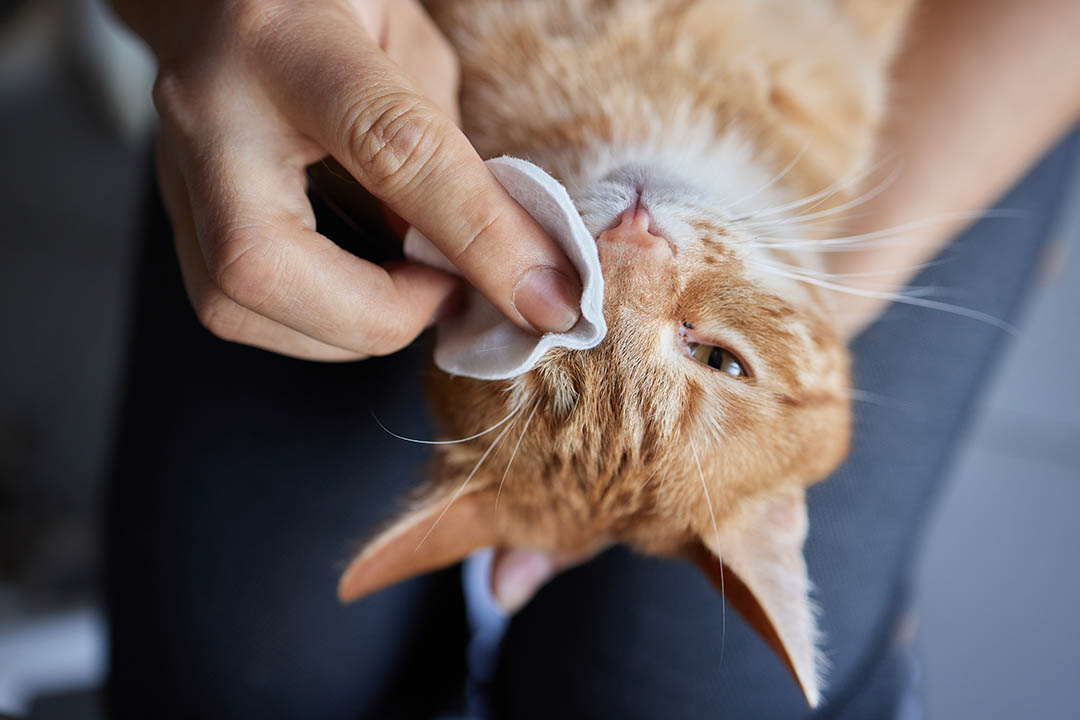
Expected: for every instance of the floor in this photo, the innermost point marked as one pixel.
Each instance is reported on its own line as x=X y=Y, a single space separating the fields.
x=998 y=577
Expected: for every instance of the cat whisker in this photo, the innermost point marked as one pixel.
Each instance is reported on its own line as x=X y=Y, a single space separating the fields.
x=823 y=274
x=513 y=454
x=778 y=177
x=893 y=234
x=862 y=199
x=880 y=273
x=921 y=291
x=719 y=559
x=663 y=477
x=465 y=484
x=769 y=215
x=903 y=298
x=497 y=425
x=911 y=292
x=826 y=193
x=828 y=223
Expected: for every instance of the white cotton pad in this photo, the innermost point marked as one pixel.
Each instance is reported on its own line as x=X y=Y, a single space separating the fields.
x=479 y=341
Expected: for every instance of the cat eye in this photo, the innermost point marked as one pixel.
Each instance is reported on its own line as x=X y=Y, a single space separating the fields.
x=718 y=358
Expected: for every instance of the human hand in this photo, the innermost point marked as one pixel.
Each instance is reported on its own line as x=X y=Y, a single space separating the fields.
x=250 y=92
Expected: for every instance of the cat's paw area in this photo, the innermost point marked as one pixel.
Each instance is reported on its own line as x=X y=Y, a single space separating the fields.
x=516 y=575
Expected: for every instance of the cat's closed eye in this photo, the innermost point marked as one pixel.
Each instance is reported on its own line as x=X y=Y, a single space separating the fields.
x=719 y=358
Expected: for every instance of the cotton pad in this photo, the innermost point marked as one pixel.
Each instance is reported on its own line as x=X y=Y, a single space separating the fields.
x=479 y=341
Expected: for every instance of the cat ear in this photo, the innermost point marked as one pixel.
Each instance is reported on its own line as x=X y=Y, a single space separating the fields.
x=756 y=559
x=434 y=535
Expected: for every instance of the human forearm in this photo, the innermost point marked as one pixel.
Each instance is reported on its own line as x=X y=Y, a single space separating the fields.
x=981 y=90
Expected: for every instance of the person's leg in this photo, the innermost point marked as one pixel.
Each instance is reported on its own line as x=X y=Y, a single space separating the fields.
x=632 y=637
x=242 y=482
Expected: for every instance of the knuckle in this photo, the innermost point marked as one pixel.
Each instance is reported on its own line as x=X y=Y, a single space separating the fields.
x=387 y=333
x=244 y=267
x=389 y=338
x=220 y=316
x=184 y=98
x=481 y=227
x=396 y=147
x=168 y=93
x=254 y=19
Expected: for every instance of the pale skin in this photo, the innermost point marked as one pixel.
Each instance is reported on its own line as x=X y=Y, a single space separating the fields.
x=252 y=91
x=981 y=91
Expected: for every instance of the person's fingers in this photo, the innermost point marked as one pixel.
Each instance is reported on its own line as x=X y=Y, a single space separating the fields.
x=267 y=256
x=219 y=314
x=359 y=105
x=245 y=178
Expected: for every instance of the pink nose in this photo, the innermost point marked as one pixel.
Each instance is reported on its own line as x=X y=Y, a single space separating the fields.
x=631 y=242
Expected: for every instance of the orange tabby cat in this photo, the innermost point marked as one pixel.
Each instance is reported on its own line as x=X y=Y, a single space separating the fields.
x=703 y=142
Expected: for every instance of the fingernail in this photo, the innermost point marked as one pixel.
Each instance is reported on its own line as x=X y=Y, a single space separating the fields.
x=518 y=575
x=548 y=300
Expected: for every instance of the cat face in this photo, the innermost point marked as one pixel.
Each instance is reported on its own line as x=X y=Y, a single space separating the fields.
x=714 y=375
x=718 y=394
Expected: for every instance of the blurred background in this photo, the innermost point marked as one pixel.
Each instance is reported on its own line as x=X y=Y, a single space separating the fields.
x=998 y=579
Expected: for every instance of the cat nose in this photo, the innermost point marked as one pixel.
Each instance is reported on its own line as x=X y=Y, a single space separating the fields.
x=631 y=242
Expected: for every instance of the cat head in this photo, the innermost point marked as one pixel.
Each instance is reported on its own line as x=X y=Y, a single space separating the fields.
x=718 y=395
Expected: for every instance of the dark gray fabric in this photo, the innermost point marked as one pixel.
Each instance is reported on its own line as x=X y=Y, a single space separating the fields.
x=243 y=480
x=632 y=637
